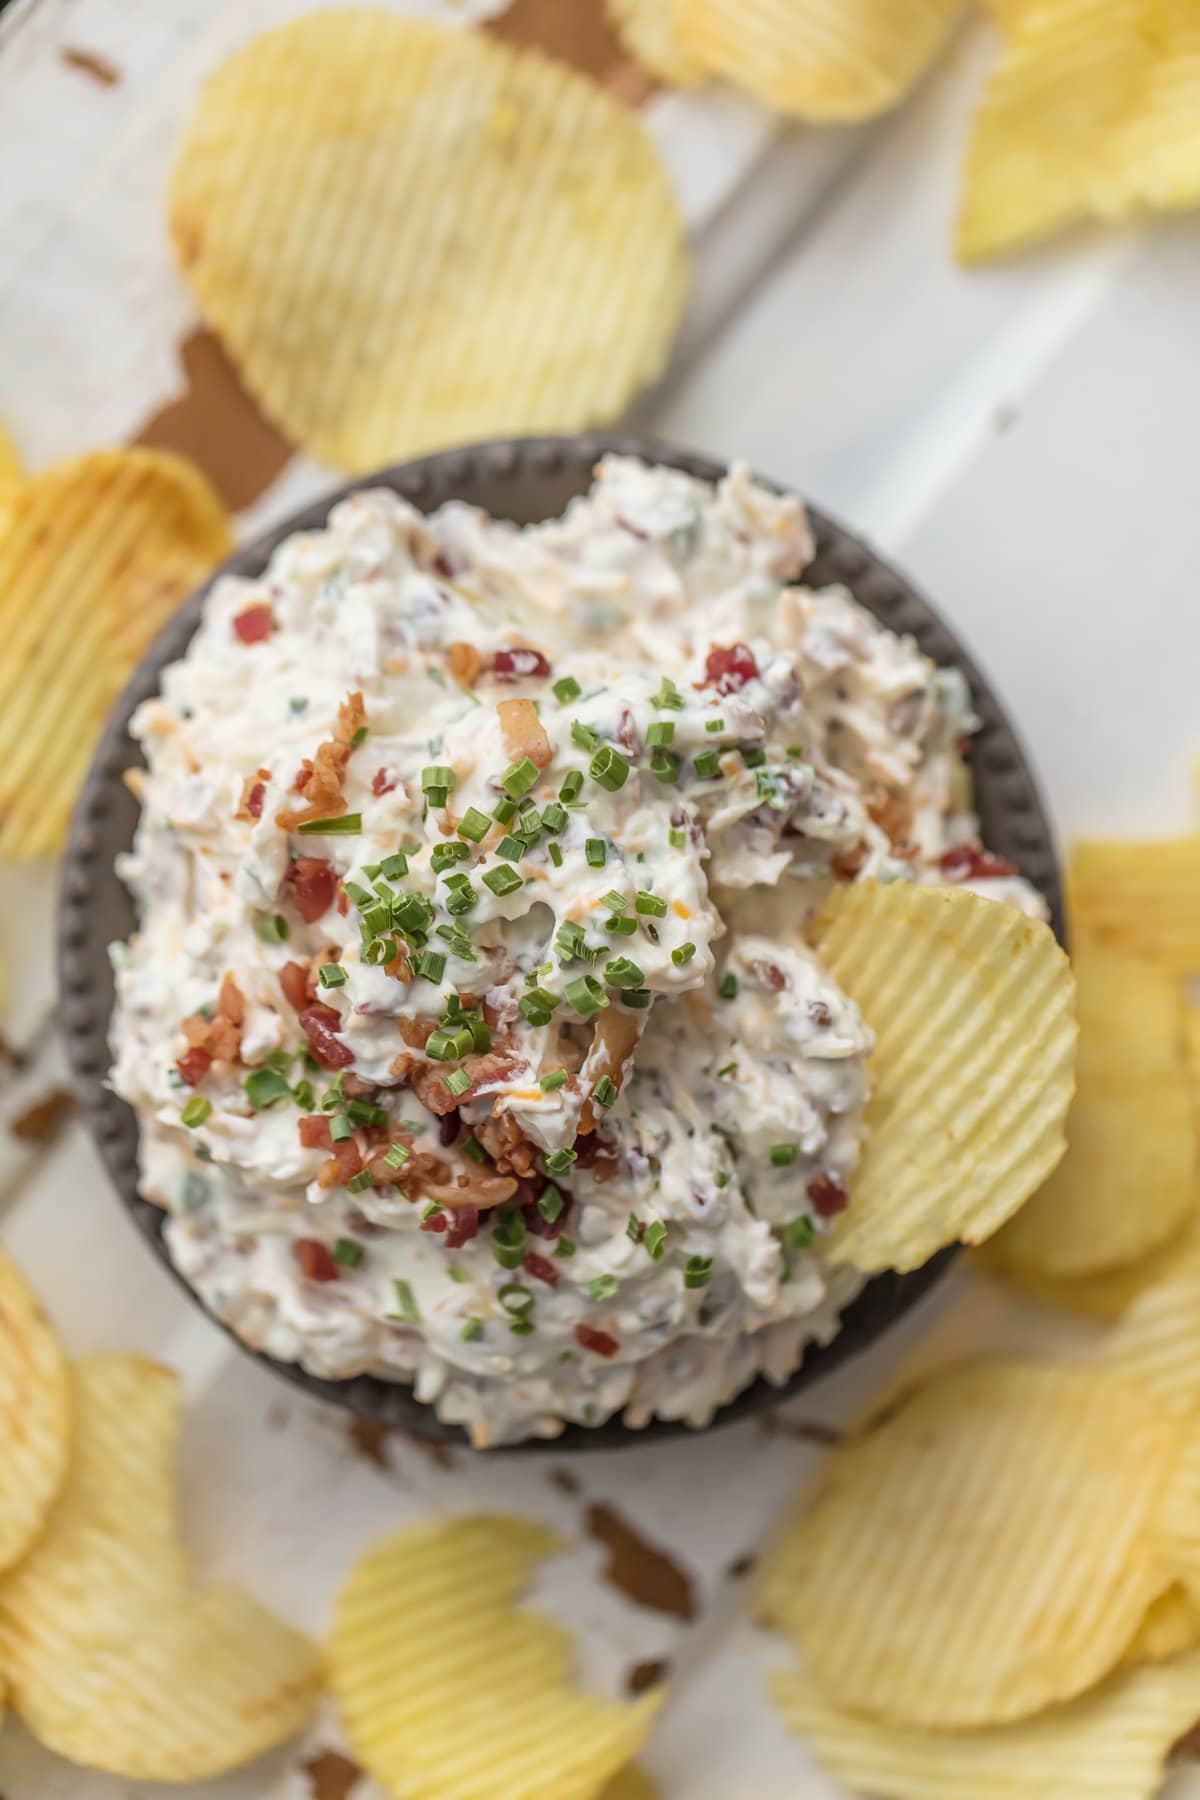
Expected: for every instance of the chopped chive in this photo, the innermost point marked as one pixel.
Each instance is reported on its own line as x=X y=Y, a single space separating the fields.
x=567 y=689
x=519 y=777
x=753 y=755
x=406 y=1301
x=502 y=881
x=555 y=1079
x=481 y=1035
x=449 y=1046
x=654 y=1240
x=596 y=851
x=349 y=1252
x=729 y=1069
x=332 y=975
x=585 y=994
x=459 y=942
x=800 y=1233
x=714 y=724
x=195 y=1111
x=340 y=1128
x=605 y=1091
x=638 y=998
x=683 y=954
x=554 y=817
x=532 y=1010
x=729 y=986
x=359 y=1183
x=333 y=1097
x=511 y=848
x=615 y=902
x=437 y=775
x=303 y=1096
x=660 y=735
x=397 y=1156
x=472 y=1147
x=571 y=788
x=794 y=750
x=603 y=1287
x=560 y=1162
x=345 y=825
x=365 y=1112
x=665 y=765
x=622 y=972
x=668 y=695
x=458 y=1081
x=609 y=768
x=395 y=867
x=649 y=905
x=474 y=825
x=359 y=895
x=516 y=1298
x=550 y=1203
x=783 y=1155
x=359 y=738
x=445 y=855
x=697 y=1271
x=504 y=811
x=722 y=1178
x=298 y=704
x=272 y=928
x=508 y=1240
x=263 y=1087
x=431 y=964
x=462 y=899
x=456 y=1272
x=707 y=765
x=676 y=838
x=622 y=923
x=564 y=1247
x=584 y=736
x=634 y=1228
x=556 y=855
x=471 y=1330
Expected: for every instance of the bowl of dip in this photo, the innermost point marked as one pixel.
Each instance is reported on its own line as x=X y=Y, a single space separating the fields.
x=431 y=933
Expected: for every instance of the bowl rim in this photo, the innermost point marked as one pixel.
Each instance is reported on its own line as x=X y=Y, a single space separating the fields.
x=1014 y=821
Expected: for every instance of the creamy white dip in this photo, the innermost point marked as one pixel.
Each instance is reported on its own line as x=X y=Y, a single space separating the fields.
x=546 y=1113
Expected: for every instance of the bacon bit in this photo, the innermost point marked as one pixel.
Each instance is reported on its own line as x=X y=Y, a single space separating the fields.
x=598 y=1154
x=893 y=815
x=519 y=664
x=314 y=1131
x=316 y=1264
x=399 y=968
x=828 y=1196
x=384 y=782
x=464 y=1225
x=416 y=1032
x=541 y=1268
x=321 y=783
x=294 y=979
x=486 y=1070
x=435 y=1222
x=255 y=624
x=194 y=1065
x=300 y=779
x=319 y=1025
x=231 y=1002
x=343 y=1164
x=536 y=1224
x=465 y=663
x=819 y=1013
x=771 y=976
x=968 y=862
x=847 y=865
x=599 y=1341
x=730 y=668
x=523 y=732
x=449 y=1126
x=507 y=1144
x=254 y=790
x=313 y=884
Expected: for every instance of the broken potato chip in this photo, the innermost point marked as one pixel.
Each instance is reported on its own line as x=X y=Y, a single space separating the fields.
x=984 y=1549
x=1110 y=1744
x=1127 y=1183
x=1093 y=111
x=650 y=31
x=95 y=556
x=972 y=1008
x=114 y=1657
x=446 y=1689
x=409 y=236
x=34 y=1416
x=819 y=59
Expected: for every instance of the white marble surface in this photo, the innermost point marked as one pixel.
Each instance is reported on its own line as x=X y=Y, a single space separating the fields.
x=1024 y=441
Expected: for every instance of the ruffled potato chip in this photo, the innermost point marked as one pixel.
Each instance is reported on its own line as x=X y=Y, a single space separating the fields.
x=1141 y=896
x=1110 y=1744
x=1171 y=1626
x=1157 y=1342
x=1106 y=1295
x=1092 y=112
x=1127 y=1183
x=448 y=1692
x=819 y=59
x=35 y=1426
x=984 y=1550
x=95 y=555
x=650 y=30
x=410 y=236
x=11 y=470
x=114 y=1658
x=972 y=1008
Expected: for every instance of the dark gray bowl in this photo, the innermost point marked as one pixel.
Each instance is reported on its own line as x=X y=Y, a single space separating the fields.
x=523 y=479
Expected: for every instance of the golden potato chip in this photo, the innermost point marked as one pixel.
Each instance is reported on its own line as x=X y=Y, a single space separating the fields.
x=632 y=1783
x=448 y=1692
x=972 y=1008
x=1110 y=1744
x=34 y=1415
x=114 y=1657
x=1092 y=112
x=1127 y=1183
x=983 y=1550
x=11 y=470
x=1141 y=896
x=410 y=236
x=1107 y=1295
x=819 y=59
x=95 y=555
x=1171 y=1626
x=649 y=29
x=1158 y=1340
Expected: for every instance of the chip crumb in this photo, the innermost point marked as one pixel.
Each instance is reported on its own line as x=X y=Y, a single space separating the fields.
x=42 y=1122
x=90 y=63
x=332 y=1776
x=566 y=1481
x=370 y=1438
x=640 y=1569
x=642 y=1676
